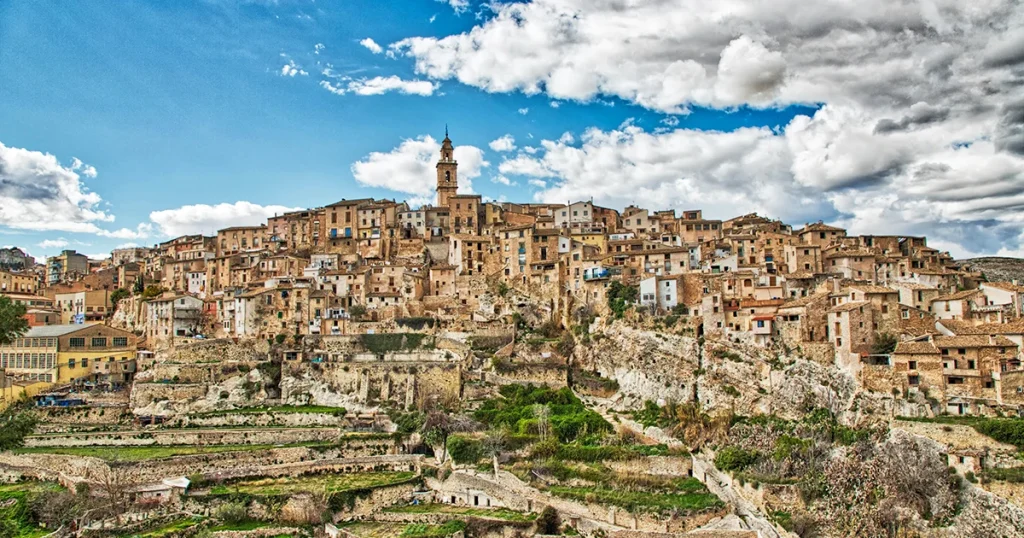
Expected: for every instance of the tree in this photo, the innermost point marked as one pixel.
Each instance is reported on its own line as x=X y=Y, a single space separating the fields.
x=494 y=445
x=14 y=426
x=435 y=430
x=885 y=344
x=621 y=297
x=12 y=320
x=117 y=295
x=548 y=521
x=140 y=285
x=152 y=291
x=357 y=311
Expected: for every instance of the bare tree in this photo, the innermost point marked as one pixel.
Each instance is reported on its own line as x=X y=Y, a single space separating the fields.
x=543 y=414
x=494 y=445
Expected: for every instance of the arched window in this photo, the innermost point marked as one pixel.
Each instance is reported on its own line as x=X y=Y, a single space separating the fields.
x=447 y=175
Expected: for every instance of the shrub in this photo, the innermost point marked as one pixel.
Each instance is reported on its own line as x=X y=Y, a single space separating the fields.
x=734 y=458
x=415 y=323
x=391 y=342
x=465 y=450
x=357 y=311
x=621 y=297
x=548 y=521
x=231 y=513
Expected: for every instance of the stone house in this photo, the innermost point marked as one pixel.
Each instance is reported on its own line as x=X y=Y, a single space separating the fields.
x=802 y=258
x=240 y=239
x=956 y=305
x=174 y=315
x=820 y=234
x=1004 y=293
x=850 y=330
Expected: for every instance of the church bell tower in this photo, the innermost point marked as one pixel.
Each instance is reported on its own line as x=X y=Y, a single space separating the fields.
x=447 y=172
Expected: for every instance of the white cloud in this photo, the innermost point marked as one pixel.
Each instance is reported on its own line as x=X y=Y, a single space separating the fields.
x=318 y=48
x=53 y=243
x=503 y=143
x=38 y=193
x=748 y=73
x=524 y=111
x=502 y=180
x=554 y=104
x=410 y=167
x=291 y=69
x=84 y=169
x=539 y=183
x=921 y=129
x=380 y=85
x=525 y=166
x=372 y=45
x=127 y=245
x=142 y=231
x=669 y=55
x=566 y=138
x=207 y=219
x=459 y=6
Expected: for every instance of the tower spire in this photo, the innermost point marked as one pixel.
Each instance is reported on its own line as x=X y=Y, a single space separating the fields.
x=446 y=130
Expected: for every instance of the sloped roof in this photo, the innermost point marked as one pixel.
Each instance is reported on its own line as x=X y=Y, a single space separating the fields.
x=973 y=341
x=958 y=296
x=846 y=307
x=916 y=348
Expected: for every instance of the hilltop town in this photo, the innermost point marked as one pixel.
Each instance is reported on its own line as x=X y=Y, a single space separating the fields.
x=370 y=369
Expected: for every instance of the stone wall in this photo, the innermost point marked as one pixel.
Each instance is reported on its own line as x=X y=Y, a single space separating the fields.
x=406 y=383
x=655 y=465
x=554 y=376
x=954 y=436
x=266 y=436
x=270 y=418
x=66 y=419
x=1011 y=491
x=69 y=470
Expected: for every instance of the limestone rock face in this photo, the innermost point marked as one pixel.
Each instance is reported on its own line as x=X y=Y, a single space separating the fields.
x=164 y=399
x=647 y=365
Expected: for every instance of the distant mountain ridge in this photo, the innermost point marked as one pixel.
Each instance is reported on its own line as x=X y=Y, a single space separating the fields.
x=997 y=268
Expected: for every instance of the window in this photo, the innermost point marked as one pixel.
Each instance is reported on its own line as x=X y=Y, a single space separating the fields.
x=955 y=380
x=76 y=342
x=120 y=341
x=971 y=365
x=98 y=341
x=961 y=351
x=71 y=363
x=85 y=362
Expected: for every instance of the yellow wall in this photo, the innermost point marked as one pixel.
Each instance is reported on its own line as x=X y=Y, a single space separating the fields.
x=65 y=374
x=14 y=393
x=598 y=240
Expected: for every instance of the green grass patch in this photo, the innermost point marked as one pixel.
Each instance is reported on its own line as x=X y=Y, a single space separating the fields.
x=392 y=342
x=492 y=513
x=1012 y=474
x=517 y=410
x=329 y=483
x=17 y=518
x=241 y=526
x=691 y=496
x=171 y=529
x=421 y=530
x=1004 y=430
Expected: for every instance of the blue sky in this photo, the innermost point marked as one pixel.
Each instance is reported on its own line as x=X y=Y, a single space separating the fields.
x=182 y=103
